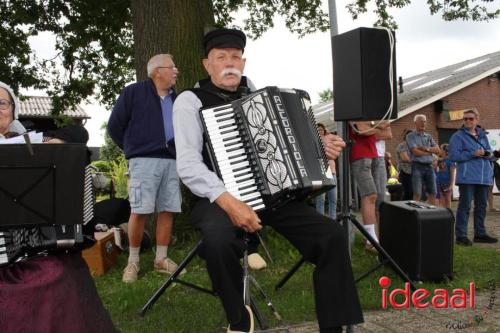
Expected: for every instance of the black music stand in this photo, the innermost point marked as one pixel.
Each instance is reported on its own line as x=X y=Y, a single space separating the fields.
x=43 y=188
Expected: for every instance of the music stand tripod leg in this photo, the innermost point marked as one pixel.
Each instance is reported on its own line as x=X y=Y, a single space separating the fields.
x=383 y=253
x=288 y=275
x=170 y=280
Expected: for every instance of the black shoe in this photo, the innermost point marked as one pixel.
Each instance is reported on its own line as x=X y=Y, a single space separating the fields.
x=464 y=241
x=485 y=239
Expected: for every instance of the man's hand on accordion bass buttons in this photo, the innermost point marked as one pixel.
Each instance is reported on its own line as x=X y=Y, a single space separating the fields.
x=241 y=214
x=333 y=145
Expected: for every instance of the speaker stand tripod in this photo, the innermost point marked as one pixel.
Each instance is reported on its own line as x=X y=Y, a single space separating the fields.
x=346 y=217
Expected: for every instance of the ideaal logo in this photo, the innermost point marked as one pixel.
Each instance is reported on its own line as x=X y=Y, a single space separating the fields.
x=422 y=298
x=439 y=299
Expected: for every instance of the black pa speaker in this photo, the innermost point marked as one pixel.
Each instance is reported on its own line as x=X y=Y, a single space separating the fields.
x=419 y=237
x=364 y=74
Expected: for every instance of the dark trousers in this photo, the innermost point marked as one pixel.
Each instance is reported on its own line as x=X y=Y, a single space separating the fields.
x=319 y=239
x=469 y=192
x=405 y=179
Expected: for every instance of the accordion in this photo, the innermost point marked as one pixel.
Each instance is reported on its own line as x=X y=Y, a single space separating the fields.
x=266 y=147
x=17 y=243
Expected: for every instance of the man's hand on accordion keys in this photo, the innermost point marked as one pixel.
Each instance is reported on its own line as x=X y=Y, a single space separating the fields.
x=241 y=214
x=333 y=145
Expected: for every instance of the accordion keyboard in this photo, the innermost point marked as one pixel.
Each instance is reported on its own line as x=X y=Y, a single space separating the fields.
x=13 y=242
x=229 y=149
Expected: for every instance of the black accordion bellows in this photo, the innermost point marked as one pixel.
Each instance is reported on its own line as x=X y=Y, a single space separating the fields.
x=266 y=147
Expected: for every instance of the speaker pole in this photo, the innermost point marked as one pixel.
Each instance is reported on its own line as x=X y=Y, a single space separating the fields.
x=344 y=182
x=334 y=31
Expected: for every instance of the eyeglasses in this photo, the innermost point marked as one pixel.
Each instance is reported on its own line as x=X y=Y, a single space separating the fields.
x=169 y=67
x=4 y=104
x=469 y=118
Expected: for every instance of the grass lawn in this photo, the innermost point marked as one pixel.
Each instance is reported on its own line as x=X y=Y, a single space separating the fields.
x=182 y=309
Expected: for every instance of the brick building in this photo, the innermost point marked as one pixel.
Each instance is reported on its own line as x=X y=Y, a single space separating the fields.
x=442 y=95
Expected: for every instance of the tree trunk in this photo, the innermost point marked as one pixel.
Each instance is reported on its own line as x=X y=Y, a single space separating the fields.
x=175 y=27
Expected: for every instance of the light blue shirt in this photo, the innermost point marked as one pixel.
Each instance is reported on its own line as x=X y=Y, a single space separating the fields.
x=167 y=110
x=416 y=139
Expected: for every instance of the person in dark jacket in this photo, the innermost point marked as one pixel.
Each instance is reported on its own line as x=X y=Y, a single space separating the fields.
x=141 y=125
x=470 y=149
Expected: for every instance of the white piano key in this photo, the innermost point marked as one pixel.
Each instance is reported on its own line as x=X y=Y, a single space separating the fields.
x=238 y=186
x=233 y=161
x=220 y=149
x=218 y=109
x=220 y=137
x=238 y=177
x=250 y=196
x=247 y=190
x=223 y=155
x=229 y=174
x=234 y=167
x=216 y=133
x=218 y=115
x=240 y=173
x=259 y=207
x=214 y=117
x=227 y=143
x=219 y=122
x=254 y=202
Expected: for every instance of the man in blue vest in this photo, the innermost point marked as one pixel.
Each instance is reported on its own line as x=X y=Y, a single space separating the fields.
x=223 y=219
x=141 y=125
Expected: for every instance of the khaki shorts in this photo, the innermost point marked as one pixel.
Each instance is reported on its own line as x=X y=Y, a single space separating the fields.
x=362 y=172
x=154 y=185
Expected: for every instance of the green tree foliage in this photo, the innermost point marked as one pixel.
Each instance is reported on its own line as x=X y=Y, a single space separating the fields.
x=93 y=48
x=95 y=38
x=109 y=150
x=326 y=95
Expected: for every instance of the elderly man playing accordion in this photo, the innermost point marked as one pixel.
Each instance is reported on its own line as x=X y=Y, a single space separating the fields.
x=47 y=292
x=223 y=219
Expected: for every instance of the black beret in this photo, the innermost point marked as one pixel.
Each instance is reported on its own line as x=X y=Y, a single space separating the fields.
x=224 y=38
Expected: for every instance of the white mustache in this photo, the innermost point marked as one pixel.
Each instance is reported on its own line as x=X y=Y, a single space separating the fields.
x=228 y=71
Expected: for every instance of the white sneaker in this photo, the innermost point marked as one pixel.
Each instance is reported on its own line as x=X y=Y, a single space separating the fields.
x=256 y=262
x=166 y=265
x=130 y=272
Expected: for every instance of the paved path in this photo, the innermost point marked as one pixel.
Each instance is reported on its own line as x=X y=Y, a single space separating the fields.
x=479 y=320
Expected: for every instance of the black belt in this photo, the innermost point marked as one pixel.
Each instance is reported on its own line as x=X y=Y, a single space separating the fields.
x=422 y=163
